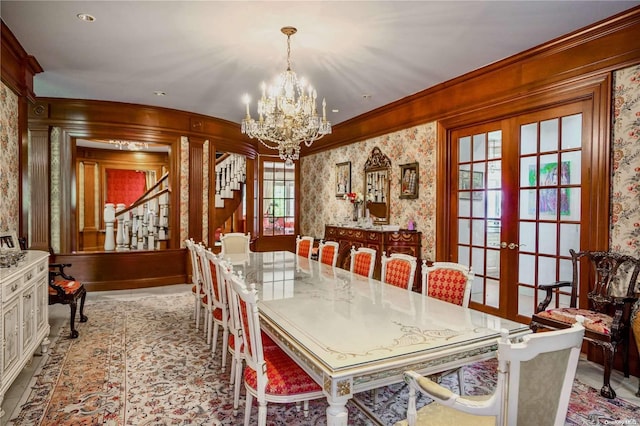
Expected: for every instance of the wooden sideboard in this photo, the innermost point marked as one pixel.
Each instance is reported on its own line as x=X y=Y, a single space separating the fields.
x=402 y=241
x=24 y=314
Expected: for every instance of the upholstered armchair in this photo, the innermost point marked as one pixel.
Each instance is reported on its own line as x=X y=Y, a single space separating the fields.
x=609 y=281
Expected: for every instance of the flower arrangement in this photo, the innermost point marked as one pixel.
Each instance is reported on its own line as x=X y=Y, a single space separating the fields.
x=354 y=197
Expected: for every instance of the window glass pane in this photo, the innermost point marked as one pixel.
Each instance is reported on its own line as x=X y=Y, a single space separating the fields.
x=492 y=293
x=477 y=260
x=549 y=135
x=477 y=181
x=528 y=204
x=525 y=301
x=464 y=149
x=493 y=233
x=572 y=131
x=571 y=168
x=546 y=270
x=464 y=204
x=494 y=176
x=527 y=237
x=528 y=138
x=477 y=289
x=278 y=199
x=494 y=204
x=463 y=255
x=479 y=147
x=547 y=241
x=463 y=231
x=477 y=238
x=548 y=173
x=569 y=238
x=494 y=148
x=528 y=175
x=526 y=268
x=478 y=204
x=493 y=263
x=570 y=204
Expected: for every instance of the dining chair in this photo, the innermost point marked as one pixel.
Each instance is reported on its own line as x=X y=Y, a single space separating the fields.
x=450 y=282
x=219 y=305
x=196 y=290
x=534 y=384
x=235 y=243
x=270 y=375
x=235 y=334
x=304 y=246
x=328 y=252
x=363 y=261
x=609 y=281
x=398 y=269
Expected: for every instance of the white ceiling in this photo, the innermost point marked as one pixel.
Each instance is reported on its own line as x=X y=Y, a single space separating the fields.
x=205 y=55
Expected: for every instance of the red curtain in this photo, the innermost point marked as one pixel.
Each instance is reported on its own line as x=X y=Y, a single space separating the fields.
x=124 y=186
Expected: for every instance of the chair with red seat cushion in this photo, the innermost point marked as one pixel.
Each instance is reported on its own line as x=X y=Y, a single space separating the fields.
x=449 y=282
x=398 y=270
x=196 y=279
x=304 y=246
x=64 y=289
x=271 y=375
x=328 y=252
x=607 y=283
x=363 y=261
x=214 y=301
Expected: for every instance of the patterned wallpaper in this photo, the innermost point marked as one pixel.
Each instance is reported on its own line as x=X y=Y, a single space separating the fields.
x=319 y=205
x=625 y=191
x=318 y=202
x=9 y=161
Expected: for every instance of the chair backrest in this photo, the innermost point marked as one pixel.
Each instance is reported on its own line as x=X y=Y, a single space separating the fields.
x=304 y=246
x=328 y=252
x=209 y=271
x=195 y=262
x=245 y=301
x=535 y=376
x=398 y=269
x=610 y=275
x=363 y=261
x=235 y=243
x=447 y=281
x=226 y=272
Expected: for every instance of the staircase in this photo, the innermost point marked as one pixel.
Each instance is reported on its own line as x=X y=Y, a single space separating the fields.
x=230 y=179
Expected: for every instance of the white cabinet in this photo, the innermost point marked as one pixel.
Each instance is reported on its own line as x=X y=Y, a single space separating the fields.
x=24 y=314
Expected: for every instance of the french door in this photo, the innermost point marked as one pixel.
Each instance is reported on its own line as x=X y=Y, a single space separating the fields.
x=518 y=205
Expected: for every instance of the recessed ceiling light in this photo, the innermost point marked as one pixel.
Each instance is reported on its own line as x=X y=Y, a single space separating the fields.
x=335 y=110
x=85 y=17
x=159 y=93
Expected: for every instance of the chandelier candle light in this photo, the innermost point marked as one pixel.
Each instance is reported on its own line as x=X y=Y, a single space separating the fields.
x=287 y=113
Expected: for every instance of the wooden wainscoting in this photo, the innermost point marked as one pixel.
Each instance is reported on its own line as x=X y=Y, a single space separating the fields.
x=123 y=270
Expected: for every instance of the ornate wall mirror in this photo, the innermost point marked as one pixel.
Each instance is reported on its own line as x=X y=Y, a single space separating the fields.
x=377 y=172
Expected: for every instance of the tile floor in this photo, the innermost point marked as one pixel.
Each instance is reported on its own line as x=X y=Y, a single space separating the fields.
x=588 y=372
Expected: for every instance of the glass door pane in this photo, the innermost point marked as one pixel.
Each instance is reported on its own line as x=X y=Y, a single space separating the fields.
x=550 y=206
x=479 y=192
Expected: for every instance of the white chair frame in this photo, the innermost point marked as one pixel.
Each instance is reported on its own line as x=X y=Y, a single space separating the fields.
x=465 y=270
x=365 y=250
x=412 y=260
x=504 y=402
x=196 y=280
x=300 y=239
x=235 y=243
x=323 y=244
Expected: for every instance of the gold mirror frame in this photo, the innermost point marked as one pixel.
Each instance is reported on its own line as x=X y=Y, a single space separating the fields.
x=377 y=175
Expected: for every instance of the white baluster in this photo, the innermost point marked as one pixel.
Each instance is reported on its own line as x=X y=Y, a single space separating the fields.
x=109 y=219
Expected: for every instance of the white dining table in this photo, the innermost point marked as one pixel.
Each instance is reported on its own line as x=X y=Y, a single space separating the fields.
x=352 y=333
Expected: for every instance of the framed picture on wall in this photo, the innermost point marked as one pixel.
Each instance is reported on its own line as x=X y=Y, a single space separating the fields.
x=9 y=242
x=343 y=179
x=409 y=183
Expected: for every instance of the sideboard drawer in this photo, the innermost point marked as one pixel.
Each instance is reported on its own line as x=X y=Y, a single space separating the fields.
x=10 y=289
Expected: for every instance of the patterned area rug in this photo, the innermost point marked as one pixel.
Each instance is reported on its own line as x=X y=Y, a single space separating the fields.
x=143 y=363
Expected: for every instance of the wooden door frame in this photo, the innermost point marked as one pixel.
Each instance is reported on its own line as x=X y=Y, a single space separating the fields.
x=595 y=89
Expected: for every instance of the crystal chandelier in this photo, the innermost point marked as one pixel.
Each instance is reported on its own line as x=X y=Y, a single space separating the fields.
x=287 y=113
